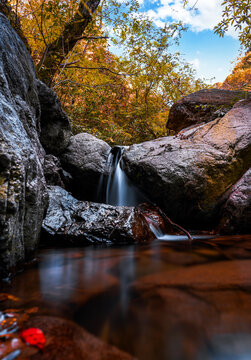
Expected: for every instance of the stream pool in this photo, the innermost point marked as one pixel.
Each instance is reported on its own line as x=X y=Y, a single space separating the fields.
x=159 y=301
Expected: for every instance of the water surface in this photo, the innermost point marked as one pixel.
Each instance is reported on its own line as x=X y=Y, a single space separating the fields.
x=165 y=300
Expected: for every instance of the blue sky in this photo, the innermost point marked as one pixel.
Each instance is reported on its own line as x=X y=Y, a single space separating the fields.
x=211 y=56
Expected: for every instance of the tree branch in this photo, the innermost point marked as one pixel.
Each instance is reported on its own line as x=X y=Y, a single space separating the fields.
x=59 y=48
x=102 y=68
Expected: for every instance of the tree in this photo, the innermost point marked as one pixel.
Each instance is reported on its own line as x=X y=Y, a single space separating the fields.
x=236 y=13
x=240 y=78
x=121 y=99
x=68 y=30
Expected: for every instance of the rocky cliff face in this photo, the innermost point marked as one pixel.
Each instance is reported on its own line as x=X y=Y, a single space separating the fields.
x=22 y=184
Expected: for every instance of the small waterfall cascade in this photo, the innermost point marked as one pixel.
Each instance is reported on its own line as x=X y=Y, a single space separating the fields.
x=116 y=188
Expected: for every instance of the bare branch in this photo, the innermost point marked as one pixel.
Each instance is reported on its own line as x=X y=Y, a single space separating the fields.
x=91 y=37
x=81 y=85
x=104 y=68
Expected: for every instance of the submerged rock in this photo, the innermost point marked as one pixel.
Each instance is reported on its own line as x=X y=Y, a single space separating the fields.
x=23 y=192
x=85 y=159
x=236 y=213
x=55 y=126
x=202 y=106
x=188 y=174
x=64 y=340
x=79 y=222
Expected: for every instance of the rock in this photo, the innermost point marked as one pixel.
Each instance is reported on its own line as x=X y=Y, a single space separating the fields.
x=66 y=340
x=23 y=194
x=53 y=172
x=71 y=221
x=188 y=174
x=202 y=106
x=55 y=126
x=85 y=159
x=236 y=213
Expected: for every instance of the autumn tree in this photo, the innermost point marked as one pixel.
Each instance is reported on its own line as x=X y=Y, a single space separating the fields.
x=240 y=78
x=122 y=99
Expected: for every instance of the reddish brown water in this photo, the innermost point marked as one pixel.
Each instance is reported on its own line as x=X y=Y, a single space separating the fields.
x=160 y=301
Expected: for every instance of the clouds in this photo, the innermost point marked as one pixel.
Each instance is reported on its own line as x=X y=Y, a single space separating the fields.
x=200 y=15
x=195 y=63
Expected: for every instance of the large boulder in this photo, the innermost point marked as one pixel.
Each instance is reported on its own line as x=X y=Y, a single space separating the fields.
x=188 y=174
x=55 y=126
x=22 y=184
x=236 y=212
x=202 y=106
x=69 y=220
x=85 y=159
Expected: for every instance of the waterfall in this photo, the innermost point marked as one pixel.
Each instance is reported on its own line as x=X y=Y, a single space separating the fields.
x=116 y=188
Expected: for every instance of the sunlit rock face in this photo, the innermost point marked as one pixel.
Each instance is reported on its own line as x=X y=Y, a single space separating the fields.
x=202 y=106
x=188 y=174
x=22 y=184
x=236 y=212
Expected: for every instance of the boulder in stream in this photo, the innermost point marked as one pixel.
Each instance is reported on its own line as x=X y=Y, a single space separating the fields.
x=202 y=106
x=188 y=174
x=70 y=221
x=23 y=194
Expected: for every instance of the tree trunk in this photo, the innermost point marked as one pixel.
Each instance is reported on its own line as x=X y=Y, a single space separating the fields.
x=56 y=52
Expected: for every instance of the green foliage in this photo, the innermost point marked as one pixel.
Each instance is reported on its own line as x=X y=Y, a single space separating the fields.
x=236 y=13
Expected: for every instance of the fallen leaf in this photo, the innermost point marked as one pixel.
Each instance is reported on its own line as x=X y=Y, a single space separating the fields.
x=4 y=297
x=34 y=336
x=32 y=310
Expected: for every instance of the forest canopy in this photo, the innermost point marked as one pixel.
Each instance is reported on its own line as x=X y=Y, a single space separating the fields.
x=121 y=98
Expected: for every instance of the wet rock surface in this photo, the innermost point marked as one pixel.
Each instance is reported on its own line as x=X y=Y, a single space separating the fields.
x=202 y=106
x=236 y=212
x=23 y=194
x=188 y=174
x=85 y=159
x=55 y=126
x=79 y=222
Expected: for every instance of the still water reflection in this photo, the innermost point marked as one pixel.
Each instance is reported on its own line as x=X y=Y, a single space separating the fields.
x=164 y=300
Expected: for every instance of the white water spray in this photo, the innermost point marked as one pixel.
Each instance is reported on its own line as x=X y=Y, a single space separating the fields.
x=117 y=188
